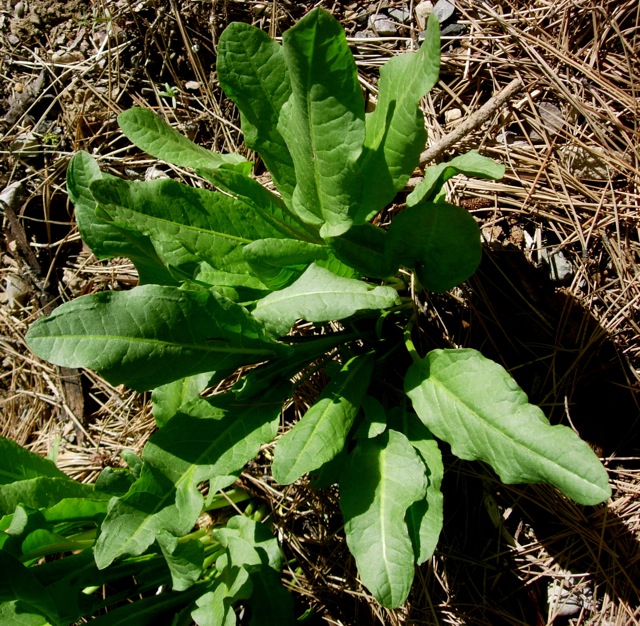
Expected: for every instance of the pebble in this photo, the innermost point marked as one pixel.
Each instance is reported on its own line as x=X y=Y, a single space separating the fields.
x=382 y=25
x=400 y=15
x=423 y=10
x=443 y=10
x=452 y=115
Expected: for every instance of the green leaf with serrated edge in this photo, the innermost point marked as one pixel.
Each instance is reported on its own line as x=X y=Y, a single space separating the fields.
x=440 y=241
x=270 y=207
x=322 y=431
x=323 y=122
x=384 y=477
x=363 y=248
x=473 y=404
x=151 y=335
x=395 y=132
x=18 y=583
x=42 y=492
x=167 y=399
x=278 y=262
x=152 y=134
x=18 y=463
x=185 y=559
x=320 y=296
x=186 y=225
x=470 y=164
x=252 y=72
x=425 y=517
x=134 y=520
x=215 y=436
x=104 y=239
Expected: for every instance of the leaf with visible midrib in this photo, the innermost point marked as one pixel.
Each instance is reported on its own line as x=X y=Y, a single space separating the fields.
x=320 y=296
x=152 y=134
x=151 y=335
x=323 y=122
x=322 y=431
x=384 y=477
x=473 y=404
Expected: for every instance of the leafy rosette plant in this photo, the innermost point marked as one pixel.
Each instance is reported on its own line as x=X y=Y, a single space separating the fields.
x=226 y=274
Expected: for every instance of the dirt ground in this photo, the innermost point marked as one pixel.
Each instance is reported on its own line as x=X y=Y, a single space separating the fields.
x=555 y=301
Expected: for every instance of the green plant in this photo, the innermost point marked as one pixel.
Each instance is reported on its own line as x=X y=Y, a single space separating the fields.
x=226 y=274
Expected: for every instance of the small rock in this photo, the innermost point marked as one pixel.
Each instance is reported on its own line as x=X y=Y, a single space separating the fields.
x=423 y=10
x=382 y=26
x=400 y=15
x=443 y=10
x=452 y=115
x=551 y=117
x=16 y=291
x=585 y=164
x=25 y=145
x=154 y=173
x=192 y=85
x=453 y=30
x=67 y=57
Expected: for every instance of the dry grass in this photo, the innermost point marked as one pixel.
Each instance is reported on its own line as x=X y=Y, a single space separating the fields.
x=572 y=344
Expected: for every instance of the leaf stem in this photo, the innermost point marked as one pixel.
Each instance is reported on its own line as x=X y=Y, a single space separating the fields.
x=408 y=341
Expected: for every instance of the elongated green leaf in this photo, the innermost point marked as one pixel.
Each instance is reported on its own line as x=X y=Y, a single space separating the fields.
x=277 y=262
x=322 y=431
x=265 y=203
x=105 y=239
x=214 y=437
x=187 y=226
x=319 y=296
x=252 y=72
x=429 y=189
x=440 y=241
x=151 y=335
x=474 y=405
x=385 y=476
x=323 y=122
x=41 y=492
x=395 y=132
x=425 y=517
x=167 y=399
x=363 y=248
x=134 y=520
x=152 y=134
x=185 y=559
x=18 y=463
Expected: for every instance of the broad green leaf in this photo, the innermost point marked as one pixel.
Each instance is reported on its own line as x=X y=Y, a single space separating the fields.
x=395 y=131
x=252 y=72
x=42 y=492
x=187 y=226
x=151 y=335
x=104 y=239
x=474 y=405
x=76 y=509
x=323 y=122
x=277 y=262
x=185 y=559
x=15 y=613
x=385 y=476
x=441 y=242
x=271 y=603
x=18 y=583
x=322 y=431
x=42 y=542
x=214 y=437
x=214 y=607
x=319 y=296
x=363 y=248
x=425 y=517
x=265 y=203
x=17 y=463
x=167 y=399
x=429 y=189
x=259 y=536
x=152 y=134
x=114 y=481
x=134 y=520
